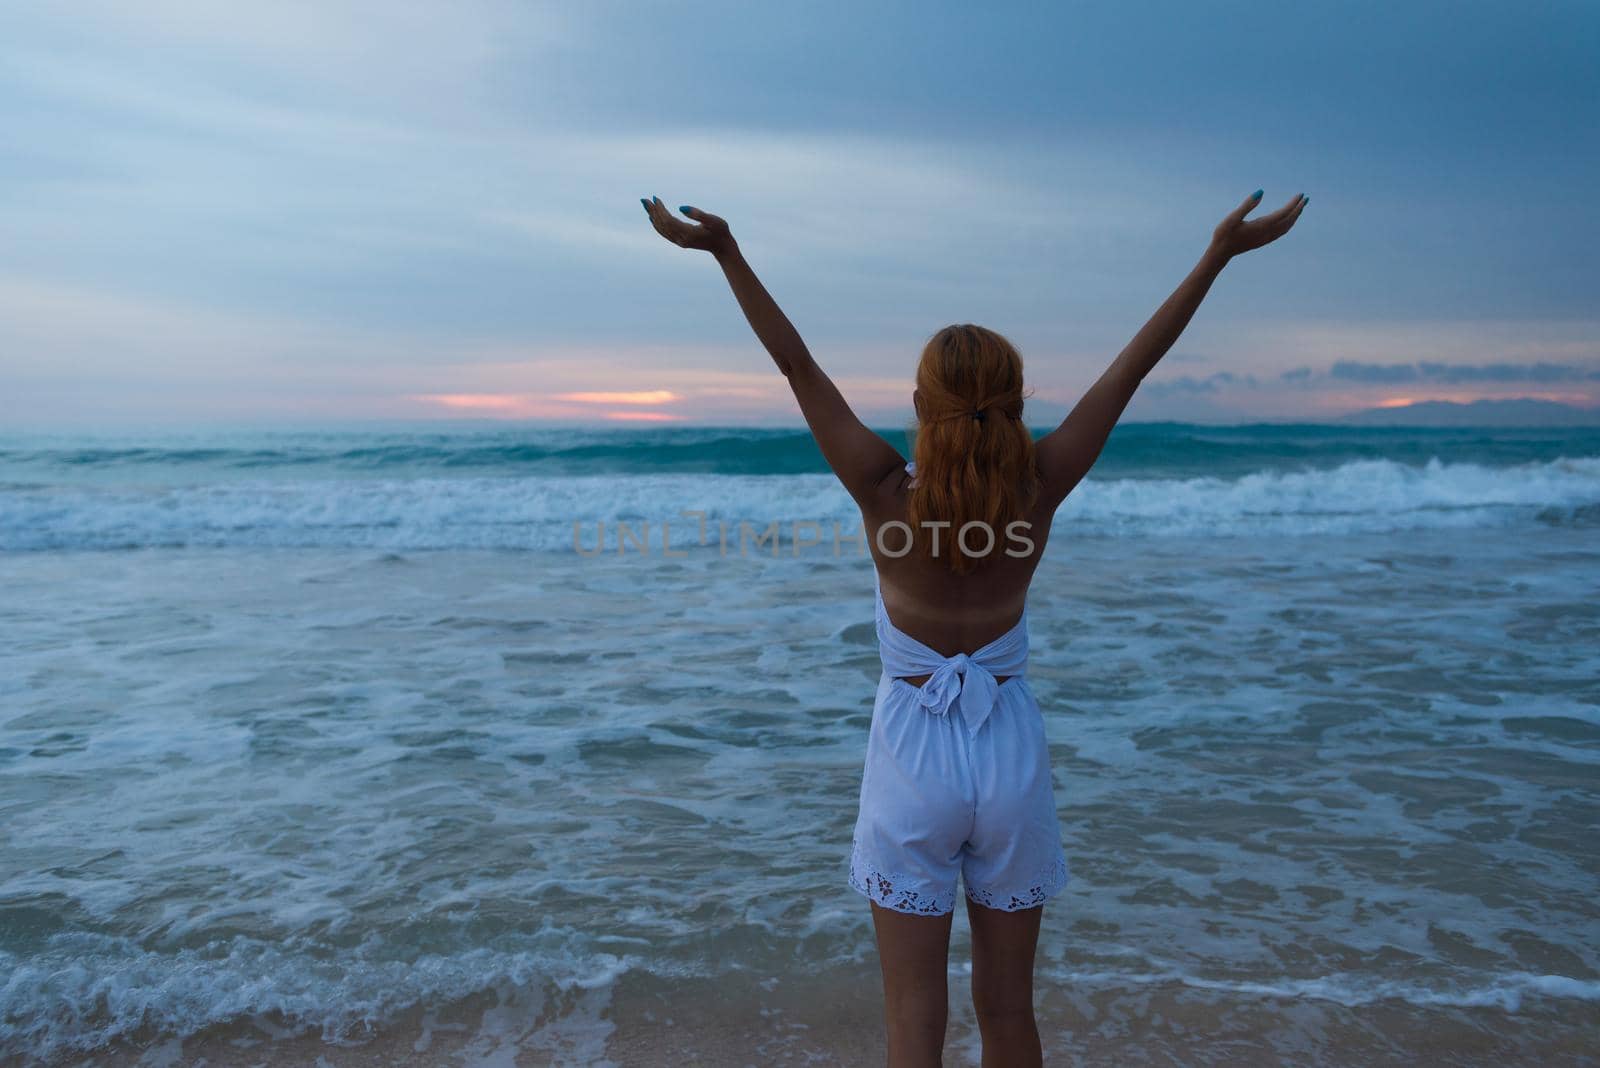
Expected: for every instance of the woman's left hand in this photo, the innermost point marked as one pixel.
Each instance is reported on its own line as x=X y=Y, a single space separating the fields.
x=711 y=234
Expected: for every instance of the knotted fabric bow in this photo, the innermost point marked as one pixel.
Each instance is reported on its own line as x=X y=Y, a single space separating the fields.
x=964 y=681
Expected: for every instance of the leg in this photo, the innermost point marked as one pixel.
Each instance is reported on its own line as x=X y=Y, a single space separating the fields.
x=914 y=953
x=1003 y=945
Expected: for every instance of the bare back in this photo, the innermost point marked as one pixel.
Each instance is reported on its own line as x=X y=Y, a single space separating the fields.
x=947 y=612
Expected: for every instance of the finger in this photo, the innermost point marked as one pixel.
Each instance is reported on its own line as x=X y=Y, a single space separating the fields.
x=656 y=221
x=1237 y=214
x=1282 y=213
x=653 y=209
x=671 y=221
x=1292 y=214
x=693 y=213
x=668 y=227
x=1271 y=227
x=680 y=231
x=709 y=221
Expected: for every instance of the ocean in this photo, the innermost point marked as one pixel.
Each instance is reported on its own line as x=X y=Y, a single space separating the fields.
x=498 y=745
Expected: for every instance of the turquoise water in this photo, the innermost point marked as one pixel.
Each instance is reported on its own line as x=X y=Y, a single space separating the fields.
x=1135 y=450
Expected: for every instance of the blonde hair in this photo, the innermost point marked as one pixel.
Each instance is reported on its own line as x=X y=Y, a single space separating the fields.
x=974 y=455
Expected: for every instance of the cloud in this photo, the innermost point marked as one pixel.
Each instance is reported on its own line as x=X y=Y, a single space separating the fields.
x=1432 y=372
x=1353 y=371
x=1508 y=372
x=1189 y=384
x=1313 y=343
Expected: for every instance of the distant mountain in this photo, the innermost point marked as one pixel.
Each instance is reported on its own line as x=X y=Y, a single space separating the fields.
x=1515 y=411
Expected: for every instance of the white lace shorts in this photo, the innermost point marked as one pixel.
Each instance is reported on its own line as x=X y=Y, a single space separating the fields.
x=937 y=802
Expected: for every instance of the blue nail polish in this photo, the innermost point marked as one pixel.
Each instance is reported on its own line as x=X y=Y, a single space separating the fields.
x=645 y=202
x=686 y=209
x=1257 y=194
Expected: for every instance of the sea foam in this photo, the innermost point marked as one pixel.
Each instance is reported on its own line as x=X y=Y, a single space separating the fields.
x=584 y=513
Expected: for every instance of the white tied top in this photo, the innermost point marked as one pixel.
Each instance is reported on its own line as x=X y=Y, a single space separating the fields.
x=965 y=680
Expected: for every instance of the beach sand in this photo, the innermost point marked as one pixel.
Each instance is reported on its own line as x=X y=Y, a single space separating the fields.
x=836 y=1020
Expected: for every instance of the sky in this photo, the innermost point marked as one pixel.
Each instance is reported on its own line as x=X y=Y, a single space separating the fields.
x=291 y=212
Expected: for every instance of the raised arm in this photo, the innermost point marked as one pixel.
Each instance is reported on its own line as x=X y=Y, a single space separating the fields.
x=1066 y=454
x=859 y=457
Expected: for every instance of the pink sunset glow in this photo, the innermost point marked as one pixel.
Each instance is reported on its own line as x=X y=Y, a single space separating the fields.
x=648 y=396
x=1579 y=399
x=580 y=405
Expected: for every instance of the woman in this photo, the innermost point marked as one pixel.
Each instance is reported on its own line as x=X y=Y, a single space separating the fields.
x=957 y=775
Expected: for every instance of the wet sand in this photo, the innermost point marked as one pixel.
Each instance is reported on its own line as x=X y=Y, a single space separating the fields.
x=836 y=1020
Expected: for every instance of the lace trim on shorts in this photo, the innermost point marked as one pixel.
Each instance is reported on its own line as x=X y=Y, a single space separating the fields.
x=893 y=890
x=1042 y=887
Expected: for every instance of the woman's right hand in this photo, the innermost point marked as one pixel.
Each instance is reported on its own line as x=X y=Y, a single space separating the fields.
x=1234 y=235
